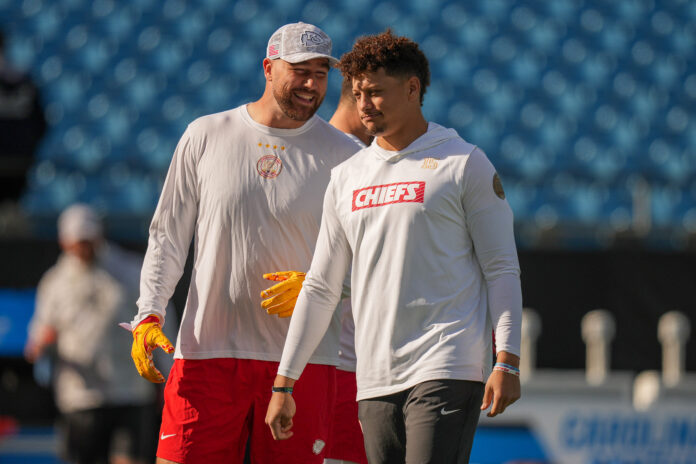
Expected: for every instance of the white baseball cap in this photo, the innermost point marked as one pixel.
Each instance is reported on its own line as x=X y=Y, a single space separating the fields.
x=298 y=42
x=79 y=222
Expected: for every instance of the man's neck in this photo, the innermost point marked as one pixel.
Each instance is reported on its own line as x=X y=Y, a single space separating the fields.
x=265 y=111
x=405 y=136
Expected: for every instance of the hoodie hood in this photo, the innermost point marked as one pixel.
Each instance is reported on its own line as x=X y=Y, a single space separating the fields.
x=434 y=136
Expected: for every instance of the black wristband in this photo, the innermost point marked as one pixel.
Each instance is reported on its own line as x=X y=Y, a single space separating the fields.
x=281 y=390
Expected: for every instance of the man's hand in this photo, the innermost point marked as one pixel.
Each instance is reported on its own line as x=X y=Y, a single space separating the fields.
x=281 y=410
x=280 y=299
x=35 y=348
x=502 y=388
x=146 y=337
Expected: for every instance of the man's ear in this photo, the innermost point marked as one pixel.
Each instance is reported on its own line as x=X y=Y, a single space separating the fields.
x=267 y=66
x=414 y=88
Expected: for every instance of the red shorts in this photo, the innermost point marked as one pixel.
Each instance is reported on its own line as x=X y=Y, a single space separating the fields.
x=213 y=407
x=346 y=435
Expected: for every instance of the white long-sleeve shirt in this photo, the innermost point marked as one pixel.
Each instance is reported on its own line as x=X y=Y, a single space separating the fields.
x=434 y=266
x=251 y=196
x=84 y=304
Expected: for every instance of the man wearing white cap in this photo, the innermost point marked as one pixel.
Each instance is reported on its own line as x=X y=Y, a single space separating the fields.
x=79 y=302
x=247 y=186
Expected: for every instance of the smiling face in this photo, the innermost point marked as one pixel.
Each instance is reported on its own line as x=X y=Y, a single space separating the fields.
x=299 y=88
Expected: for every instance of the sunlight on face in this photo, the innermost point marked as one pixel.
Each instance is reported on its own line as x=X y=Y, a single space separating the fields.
x=299 y=88
x=382 y=101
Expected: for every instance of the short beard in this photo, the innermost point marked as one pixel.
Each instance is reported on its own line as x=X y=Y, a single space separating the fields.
x=375 y=131
x=292 y=111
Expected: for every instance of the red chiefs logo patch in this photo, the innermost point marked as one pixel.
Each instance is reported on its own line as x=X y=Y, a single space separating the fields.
x=269 y=166
x=387 y=194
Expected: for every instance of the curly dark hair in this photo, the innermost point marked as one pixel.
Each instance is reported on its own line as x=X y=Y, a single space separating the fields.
x=399 y=56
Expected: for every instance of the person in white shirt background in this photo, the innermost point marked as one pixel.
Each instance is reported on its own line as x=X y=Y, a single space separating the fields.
x=247 y=186
x=420 y=219
x=107 y=412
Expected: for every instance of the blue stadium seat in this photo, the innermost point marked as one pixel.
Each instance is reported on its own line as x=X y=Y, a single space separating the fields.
x=475 y=36
x=55 y=193
x=135 y=195
x=47 y=23
x=116 y=124
x=664 y=201
x=149 y=39
x=69 y=90
x=585 y=204
x=96 y=55
x=193 y=25
x=522 y=196
x=22 y=51
x=526 y=69
x=455 y=15
x=386 y=13
x=119 y=24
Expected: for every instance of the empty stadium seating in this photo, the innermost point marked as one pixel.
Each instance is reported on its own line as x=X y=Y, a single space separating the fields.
x=573 y=100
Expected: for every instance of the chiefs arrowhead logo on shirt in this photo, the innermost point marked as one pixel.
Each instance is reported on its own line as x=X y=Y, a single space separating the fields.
x=269 y=166
x=387 y=194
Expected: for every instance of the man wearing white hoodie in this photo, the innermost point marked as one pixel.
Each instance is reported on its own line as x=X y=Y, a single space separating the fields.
x=421 y=217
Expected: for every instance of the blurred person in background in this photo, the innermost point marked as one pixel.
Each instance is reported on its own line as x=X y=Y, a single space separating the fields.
x=22 y=126
x=247 y=186
x=346 y=443
x=347 y=119
x=108 y=412
x=420 y=219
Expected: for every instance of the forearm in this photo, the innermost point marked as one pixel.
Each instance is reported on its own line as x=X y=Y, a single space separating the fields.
x=284 y=382
x=507 y=358
x=163 y=265
x=307 y=327
x=505 y=307
x=170 y=233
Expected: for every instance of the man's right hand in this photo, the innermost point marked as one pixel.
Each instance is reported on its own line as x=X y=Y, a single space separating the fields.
x=279 y=414
x=146 y=337
x=35 y=348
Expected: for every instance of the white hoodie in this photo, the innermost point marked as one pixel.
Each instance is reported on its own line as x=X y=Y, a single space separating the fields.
x=429 y=237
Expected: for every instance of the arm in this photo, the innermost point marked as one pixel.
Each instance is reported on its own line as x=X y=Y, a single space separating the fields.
x=171 y=232
x=41 y=328
x=316 y=303
x=490 y=224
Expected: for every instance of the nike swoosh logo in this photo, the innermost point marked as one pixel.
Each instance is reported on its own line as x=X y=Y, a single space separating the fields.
x=444 y=412
x=164 y=437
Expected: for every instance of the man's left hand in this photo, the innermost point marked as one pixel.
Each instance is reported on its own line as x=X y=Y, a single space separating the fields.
x=502 y=388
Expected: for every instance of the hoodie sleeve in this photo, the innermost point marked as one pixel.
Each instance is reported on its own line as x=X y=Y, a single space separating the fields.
x=321 y=291
x=490 y=224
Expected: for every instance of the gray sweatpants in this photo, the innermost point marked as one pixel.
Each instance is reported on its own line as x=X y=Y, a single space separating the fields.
x=432 y=422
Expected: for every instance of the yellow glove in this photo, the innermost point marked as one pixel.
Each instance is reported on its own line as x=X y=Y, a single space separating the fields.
x=146 y=337
x=280 y=299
